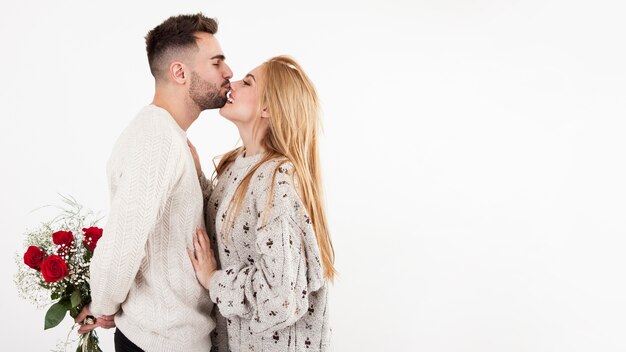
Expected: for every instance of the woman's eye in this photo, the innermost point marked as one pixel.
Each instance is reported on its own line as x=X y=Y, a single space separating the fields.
x=245 y=83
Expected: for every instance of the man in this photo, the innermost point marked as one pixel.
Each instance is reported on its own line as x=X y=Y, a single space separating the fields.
x=140 y=271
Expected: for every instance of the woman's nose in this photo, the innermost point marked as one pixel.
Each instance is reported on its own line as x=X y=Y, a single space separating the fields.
x=235 y=85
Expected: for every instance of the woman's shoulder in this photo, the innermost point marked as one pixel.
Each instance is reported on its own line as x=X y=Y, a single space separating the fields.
x=276 y=175
x=276 y=189
x=274 y=170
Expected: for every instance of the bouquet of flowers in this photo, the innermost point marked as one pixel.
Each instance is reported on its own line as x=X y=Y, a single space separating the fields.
x=55 y=268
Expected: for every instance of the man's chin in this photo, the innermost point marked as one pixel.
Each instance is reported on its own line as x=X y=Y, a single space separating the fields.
x=221 y=103
x=215 y=104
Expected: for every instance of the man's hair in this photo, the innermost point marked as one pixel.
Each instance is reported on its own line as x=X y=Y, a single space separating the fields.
x=175 y=34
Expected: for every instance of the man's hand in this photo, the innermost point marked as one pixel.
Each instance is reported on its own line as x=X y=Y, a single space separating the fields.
x=105 y=321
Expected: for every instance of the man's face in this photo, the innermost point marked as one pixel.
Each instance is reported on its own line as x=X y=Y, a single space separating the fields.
x=210 y=75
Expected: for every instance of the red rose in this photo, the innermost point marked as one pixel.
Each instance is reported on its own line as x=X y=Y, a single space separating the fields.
x=34 y=257
x=92 y=235
x=54 y=268
x=63 y=238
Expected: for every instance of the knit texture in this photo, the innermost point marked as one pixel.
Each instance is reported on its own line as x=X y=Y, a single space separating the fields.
x=270 y=293
x=140 y=268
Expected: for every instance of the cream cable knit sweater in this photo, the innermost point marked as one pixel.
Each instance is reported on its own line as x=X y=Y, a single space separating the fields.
x=140 y=267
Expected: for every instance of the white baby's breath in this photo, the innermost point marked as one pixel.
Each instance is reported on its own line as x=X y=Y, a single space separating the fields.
x=29 y=282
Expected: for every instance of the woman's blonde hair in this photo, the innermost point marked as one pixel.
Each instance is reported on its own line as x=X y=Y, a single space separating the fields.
x=294 y=121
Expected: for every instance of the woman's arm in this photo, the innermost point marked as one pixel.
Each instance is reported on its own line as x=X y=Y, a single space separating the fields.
x=273 y=292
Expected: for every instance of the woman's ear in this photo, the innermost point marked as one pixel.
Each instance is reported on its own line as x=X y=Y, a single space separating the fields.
x=177 y=72
x=265 y=114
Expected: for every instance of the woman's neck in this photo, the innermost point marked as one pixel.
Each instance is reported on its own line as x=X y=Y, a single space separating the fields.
x=251 y=141
x=252 y=151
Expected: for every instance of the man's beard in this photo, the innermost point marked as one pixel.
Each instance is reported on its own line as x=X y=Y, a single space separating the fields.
x=206 y=95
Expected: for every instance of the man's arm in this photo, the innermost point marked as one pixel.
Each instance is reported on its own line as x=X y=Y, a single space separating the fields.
x=143 y=187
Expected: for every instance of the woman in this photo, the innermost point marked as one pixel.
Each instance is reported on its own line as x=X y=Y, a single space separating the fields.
x=266 y=219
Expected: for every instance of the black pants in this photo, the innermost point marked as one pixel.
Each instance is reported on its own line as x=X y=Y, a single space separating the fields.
x=123 y=344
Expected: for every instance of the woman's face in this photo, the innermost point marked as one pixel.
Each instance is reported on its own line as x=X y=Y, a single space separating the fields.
x=243 y=99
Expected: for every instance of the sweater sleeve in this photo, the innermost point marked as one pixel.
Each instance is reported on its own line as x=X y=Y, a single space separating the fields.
x=140 y=187
x=206 y=185
x=272 y=292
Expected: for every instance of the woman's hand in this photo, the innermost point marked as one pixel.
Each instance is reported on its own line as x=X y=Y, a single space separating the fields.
x=202 y=257
x=196 y=159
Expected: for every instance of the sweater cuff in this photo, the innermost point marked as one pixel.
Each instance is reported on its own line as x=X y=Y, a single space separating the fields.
x=214 y=286
x=98 y=310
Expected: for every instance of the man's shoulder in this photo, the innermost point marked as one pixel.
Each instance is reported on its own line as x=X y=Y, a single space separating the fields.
x=150 y=132
x=152 y=125
x=151 y=121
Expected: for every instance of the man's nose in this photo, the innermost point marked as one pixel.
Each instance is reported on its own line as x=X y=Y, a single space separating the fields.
x=228 y=74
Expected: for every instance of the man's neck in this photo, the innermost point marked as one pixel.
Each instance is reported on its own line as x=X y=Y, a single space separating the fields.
x=180 y=109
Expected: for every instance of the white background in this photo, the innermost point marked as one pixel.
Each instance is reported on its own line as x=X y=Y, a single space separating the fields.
x=473 y=155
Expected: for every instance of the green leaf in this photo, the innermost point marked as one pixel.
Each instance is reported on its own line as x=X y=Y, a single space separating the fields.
x=56 y=313
x=75 y=298
x=75 y=311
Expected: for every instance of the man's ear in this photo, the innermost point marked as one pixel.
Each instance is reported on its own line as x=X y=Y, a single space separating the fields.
x=177 y=72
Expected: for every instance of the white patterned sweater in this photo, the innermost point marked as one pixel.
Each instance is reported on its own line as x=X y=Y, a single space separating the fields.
x=270 y=291
x=140 y=265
